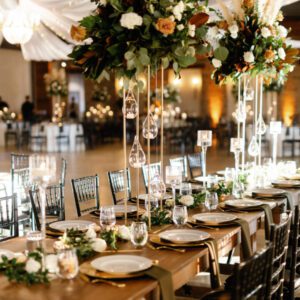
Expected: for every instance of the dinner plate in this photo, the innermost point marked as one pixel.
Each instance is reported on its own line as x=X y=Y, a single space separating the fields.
x=286 y=183
x=293 y=177
x=243 y=203
x=120 y=209
x=202 y=178
x=221 y=173
x=68 y=224
x=268 y=192
x=144 y=197
x=214 y=218
x=121 y=264
x=9 y=254
x=183 y=236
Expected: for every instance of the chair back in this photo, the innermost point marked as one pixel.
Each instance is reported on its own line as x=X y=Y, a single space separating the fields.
x=86 y=194
x=118 y=186
x=180 y=162
x=195 y=164
x=8 y=217
x=63 y=171
x=279 y=237
x=155 y=168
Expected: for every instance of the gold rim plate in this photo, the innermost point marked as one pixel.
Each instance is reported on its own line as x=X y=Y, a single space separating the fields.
x=155 y=239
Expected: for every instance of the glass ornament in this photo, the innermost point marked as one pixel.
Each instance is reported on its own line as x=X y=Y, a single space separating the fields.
x=137 y=157
x=153 y=129
x=240 y=112
x=130 y=108
x=261 y=127
x=253 y=148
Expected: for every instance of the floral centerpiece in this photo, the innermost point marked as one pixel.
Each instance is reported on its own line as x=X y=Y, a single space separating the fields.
x=56 y=83
x=127 y=36
x=250 y=39
x=7 y=115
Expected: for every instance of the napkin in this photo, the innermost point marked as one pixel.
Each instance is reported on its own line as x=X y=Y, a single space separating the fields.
x=165 y=281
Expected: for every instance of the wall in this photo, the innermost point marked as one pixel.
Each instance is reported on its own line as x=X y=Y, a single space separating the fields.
x=15 y=78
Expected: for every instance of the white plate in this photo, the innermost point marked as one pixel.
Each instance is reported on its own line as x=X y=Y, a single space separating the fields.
x=271 y=192
x=214 y=218
x=221 y=173
x=243 y=203
x=68 y=224
x=286 y=183
x=293 y=177
x=120 y=209
x=144 y=197
x=9 y=254
x=121 y=264
x=183 y=236
x=202 y=178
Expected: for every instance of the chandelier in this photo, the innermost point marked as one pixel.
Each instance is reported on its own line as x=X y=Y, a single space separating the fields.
x=19 y=25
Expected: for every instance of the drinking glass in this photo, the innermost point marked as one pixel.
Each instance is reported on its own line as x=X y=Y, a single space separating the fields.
x=180 y=215
x=229 y=174
x=107 y=216
x=211 y=201
x=153 y=203
x=67 y=264
x=139 y=234
x=174 y=178
x=185 y=189
x=34 y=241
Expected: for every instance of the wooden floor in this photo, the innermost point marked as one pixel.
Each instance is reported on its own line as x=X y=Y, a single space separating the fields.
x=107 y=158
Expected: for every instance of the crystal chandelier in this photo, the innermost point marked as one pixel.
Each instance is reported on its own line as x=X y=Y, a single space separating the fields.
x=19 y=25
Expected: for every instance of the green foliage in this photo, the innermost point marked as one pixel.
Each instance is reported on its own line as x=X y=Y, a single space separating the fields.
x=159 y=217
x=111 y=238
x=199 y=198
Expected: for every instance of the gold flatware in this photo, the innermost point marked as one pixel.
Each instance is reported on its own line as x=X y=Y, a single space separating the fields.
x=232 y=210
x=112 y=283
x=165 y=247
x=122 y=251
x=194 y=225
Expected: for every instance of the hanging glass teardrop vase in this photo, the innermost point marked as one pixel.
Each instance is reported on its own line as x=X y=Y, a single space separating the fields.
x=137 y=157
x=261 y=127
x=130 y=108
x=157 y=187
x=253 y=148
x=153 y=129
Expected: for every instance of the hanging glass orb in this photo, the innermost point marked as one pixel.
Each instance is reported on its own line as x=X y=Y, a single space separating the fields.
x=157 y=187
x=249 y=94
x=240 y=112
x=153 y=129
x=130 y=108
x=261 y=126
x=18 y=26
x=137 y=157
x=253 y=148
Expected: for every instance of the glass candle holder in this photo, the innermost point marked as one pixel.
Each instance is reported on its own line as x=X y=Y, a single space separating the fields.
x=67 y=262
x=139 y=234
x=107 y=216
x=174 y=178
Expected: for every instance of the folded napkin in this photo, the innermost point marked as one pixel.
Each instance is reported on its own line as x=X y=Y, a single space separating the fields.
x=165 y=281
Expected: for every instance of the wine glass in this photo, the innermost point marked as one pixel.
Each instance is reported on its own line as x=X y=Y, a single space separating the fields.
x=211 y=201
x=185 y=189
x=139 y=234
x=107 y=216
x=180 y=215
x=236 y=146
x=68 y=266
x=174 y=178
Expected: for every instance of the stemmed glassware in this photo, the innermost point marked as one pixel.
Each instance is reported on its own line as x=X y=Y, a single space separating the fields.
x=180 y=215
x=204 y=140
x=107 y=216
x=139 y=234
x=174 y=178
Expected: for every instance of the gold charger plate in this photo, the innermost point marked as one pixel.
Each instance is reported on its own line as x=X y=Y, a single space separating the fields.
x=88 y=270
x=155 y=239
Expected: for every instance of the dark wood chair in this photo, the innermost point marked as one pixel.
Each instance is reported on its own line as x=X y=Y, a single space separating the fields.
x=181 y=162
x=118 y=186
x=8 y=217
x=249 y=279
x=54 y=203
x=155 y=168
x=11 y=134
x=195 y=165
x=62 y=139
x=86 y=194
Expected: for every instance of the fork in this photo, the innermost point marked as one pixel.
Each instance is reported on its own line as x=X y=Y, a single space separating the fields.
x=165 y=247
x=112 y=283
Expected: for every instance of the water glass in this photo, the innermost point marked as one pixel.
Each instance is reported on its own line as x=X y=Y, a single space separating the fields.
x=139 y=234
x=34 y=241
x=173 y=175
x=153 y=203
x=180 y=215
x=211 y=201
x=68 y=266
x=185 y=189
x=107 y=216
x=229 y=174
x=212 y=180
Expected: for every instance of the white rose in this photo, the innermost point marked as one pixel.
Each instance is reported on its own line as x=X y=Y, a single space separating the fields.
x=292 y=68
x=130 y=20
x=212 y=31
x=169 y=202
x=265 y=32
x=187 y=200
x=51 y=263
x=32 y=266
x=103 y=2
x=216 y=63
x=192 y=29
x=281 y=53
x=99 y=245
x=282 y=31
x=91 y=233
x=249 y=57
x=178 y=10
x=180 y=27
x=124 y=232
x=233 y=29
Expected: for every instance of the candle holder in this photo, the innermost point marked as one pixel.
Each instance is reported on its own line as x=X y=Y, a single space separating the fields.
x=236 y=146
x=275 y=130
x=204 y=140
x=174 y=178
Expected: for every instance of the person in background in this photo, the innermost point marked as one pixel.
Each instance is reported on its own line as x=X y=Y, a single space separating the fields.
x=28 y=110
x=73 y=110
x=3 y=104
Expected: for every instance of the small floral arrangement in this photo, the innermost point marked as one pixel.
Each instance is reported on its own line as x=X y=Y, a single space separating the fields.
x=222 y=189
x=85 y=243
x=7 y=115
x=250 y=40
x=56 y=83
x=25 y=269
x=127 y=36
x=115 y=233
x=158 y=217
x=191 y=201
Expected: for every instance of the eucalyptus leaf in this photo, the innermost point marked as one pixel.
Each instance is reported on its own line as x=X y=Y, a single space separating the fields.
x=221 y=53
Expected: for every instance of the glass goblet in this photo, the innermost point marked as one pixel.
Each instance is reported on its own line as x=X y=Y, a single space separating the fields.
x=107 y=216
x=180 y=215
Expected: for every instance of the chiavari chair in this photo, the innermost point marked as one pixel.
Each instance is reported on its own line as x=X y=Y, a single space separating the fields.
x=154 y=168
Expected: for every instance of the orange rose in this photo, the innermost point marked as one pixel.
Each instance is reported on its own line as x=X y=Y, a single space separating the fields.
x=223 y=25
x=248 y=3
x=269 y=54
x=165 y=26
x=78 y=33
